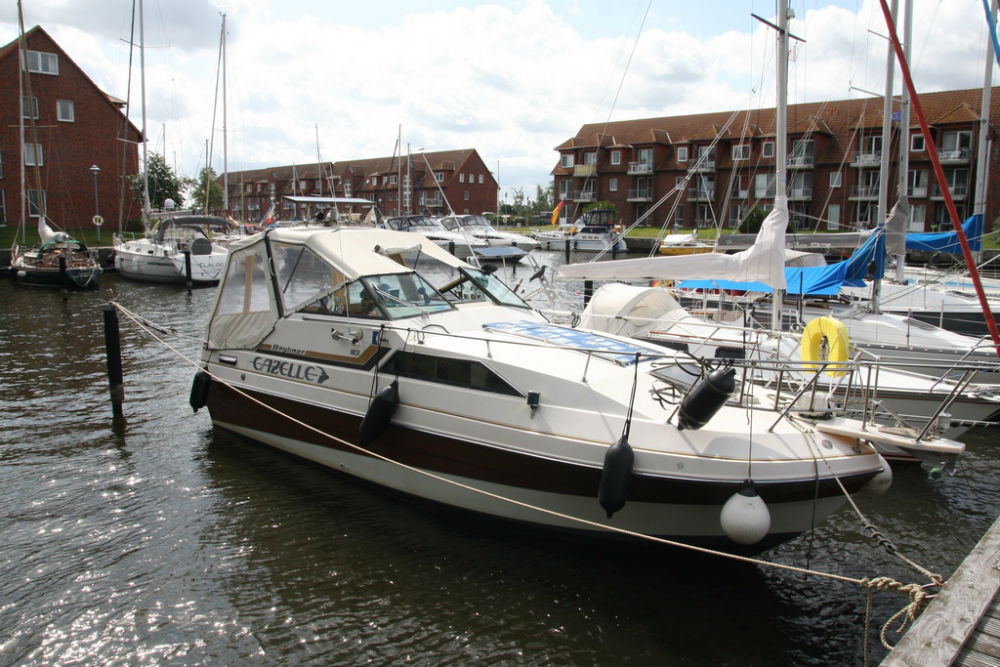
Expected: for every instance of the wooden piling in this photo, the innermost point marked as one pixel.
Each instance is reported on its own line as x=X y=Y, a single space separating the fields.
x=187 y=269
x=113 y=350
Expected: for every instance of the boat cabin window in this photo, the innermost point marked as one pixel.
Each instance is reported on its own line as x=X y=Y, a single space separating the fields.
x=244 y=289
x=302 y=275
x=455 y=372
x=406 y=295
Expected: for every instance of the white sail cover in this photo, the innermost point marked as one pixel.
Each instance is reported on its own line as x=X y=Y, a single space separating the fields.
x=764 y=261
x=895 y=228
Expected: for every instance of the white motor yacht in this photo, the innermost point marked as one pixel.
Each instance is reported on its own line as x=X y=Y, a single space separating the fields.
x=380 y=356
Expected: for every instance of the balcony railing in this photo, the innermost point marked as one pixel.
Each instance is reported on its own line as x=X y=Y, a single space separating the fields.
x=584 y=195
x=957 y=155
x=801 y=161
x=702 y=164
x=640 y=194
x=867 y=159
x=640 y=168
x=957 y=191
x=804 y=192
x=585 y=170
x=701 y=194
x=917 y=193
x=864 y=192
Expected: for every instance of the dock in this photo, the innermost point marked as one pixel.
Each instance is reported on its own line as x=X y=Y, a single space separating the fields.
x=961 y=625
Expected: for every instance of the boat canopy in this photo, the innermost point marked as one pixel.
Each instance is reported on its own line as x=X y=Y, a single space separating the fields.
x=617 y=302
x=948 y=241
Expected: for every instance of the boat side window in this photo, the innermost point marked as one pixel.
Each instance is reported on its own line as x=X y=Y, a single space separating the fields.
x=405 y=295
x=304 y=278
x=443 y=370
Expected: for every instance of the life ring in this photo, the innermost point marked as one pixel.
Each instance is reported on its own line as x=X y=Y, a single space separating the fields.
x=837 y=347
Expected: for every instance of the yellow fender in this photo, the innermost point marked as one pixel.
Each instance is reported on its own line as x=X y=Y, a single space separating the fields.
x=838 y=345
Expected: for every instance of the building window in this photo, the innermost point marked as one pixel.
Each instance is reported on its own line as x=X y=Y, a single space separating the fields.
x=616 y=157
x=918 y=213
x=461 y=178
x=764 y=186
x=3 y=207
x=65 y=111
x=43 y=63
x=833 y=217
x=249 y=187
x=393 y=180
x=33 y=202
x=439 y=178
x=741 y=152
x=33 y=155
x=682 y=153
x=768 y=149
x=835 y=179
x=563 y=189
x=29 y=110
x=567 y=160
x=302 y=185
x=1 y=170
x=590 y=157
x=917 y=145
x=466 y=196
x=480 y=179
x=613 y=185
x=678 y=216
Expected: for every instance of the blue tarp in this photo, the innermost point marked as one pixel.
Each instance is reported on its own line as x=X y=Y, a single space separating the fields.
x=948 y=241
x=821 y=280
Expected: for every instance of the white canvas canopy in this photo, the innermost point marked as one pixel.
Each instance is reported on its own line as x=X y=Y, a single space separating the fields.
x=764 y=261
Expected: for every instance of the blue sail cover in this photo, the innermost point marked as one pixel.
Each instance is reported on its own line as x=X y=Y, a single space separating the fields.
x=948 y=241
x=818 y=280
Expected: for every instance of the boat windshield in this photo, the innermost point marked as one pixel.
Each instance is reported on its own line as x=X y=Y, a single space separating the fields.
x=414 y=223
x=476 y=221
x=475 y=285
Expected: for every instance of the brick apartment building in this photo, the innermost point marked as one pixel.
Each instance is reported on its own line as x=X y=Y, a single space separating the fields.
x=722 y=164
x=411 y=184
x=77 y=126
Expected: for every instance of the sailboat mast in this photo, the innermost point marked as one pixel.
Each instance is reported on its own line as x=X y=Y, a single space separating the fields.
x=21 y=69
x=146 y=208
x=883 y=173
x=780 y=131
x=225 y=147
x=904 y=132
x=983 y=149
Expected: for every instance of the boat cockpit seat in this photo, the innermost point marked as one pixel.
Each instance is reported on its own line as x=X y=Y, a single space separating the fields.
x=201 y=246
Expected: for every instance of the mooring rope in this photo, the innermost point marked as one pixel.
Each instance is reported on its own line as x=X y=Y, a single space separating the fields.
x=918 y=596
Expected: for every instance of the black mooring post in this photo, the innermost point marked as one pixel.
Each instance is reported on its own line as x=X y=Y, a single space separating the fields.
x=113 y=349
x=567 y=250
x=451 y=247
x=63 y=275
x=187 y=269
x=588 y=291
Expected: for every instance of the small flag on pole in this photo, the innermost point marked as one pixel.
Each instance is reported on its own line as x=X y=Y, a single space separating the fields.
x=555 y=212
x=268 y=219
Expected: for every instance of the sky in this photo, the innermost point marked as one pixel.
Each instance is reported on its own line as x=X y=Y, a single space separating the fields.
x=343 y=80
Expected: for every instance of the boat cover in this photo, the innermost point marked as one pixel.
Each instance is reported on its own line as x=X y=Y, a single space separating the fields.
x=948 y=241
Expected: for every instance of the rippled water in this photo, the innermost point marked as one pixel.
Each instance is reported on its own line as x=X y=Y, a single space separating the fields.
x=161 y=541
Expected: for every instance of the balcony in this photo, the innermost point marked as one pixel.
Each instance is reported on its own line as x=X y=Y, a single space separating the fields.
x=702 y=194
x=957 y=156
x=702 y=164
x=640 y=168
x=919 y=192
x=803 y=193
x=957 y=192
x=867 y=159
x=864 y=192
x=584 y=195
x=640 y=194
x=801 y=161
x=585 y=170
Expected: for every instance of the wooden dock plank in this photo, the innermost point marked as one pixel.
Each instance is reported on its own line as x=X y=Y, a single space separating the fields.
x=950 y=622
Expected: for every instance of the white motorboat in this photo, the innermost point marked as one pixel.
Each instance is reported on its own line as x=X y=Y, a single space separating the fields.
x=178 y=250
x=455 y=242
x=594 y=231
x=379 y=355
x=478 y=227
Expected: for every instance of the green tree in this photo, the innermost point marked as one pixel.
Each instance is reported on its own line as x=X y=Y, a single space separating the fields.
x=207 y=183
x=163 y=183
x=600 y=205
x=752 y=221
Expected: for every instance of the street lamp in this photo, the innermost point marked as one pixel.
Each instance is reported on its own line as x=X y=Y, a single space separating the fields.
x=98 y=220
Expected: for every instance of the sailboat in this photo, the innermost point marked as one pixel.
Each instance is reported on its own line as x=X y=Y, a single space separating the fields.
x=58 y=260
x=174 y=248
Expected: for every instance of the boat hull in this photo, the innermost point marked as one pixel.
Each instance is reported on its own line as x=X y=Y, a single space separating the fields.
x=682 y=509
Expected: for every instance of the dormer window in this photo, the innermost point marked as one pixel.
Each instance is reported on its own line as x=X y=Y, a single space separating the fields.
x=682 y=153
x=567 y=160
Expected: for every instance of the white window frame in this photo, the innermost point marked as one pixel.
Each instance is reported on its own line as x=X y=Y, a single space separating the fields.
x=42 y=62
x=741 y=152
x=566 y=160
x=918 y=216
x=682 y=153
x=480 y=179
x=836 y=179
x=465 y=195
x=36 y=157
x=590 y=157
x=439 y=177
x=612 y=184
x=63 y=106
x=461 y=177
x=767 y=150
x=917 y=145
x=616 y=157
x=3 y=206
x=32 y=196
x=25 y=112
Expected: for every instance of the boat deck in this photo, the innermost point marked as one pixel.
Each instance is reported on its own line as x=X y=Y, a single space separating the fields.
x=961 y=626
